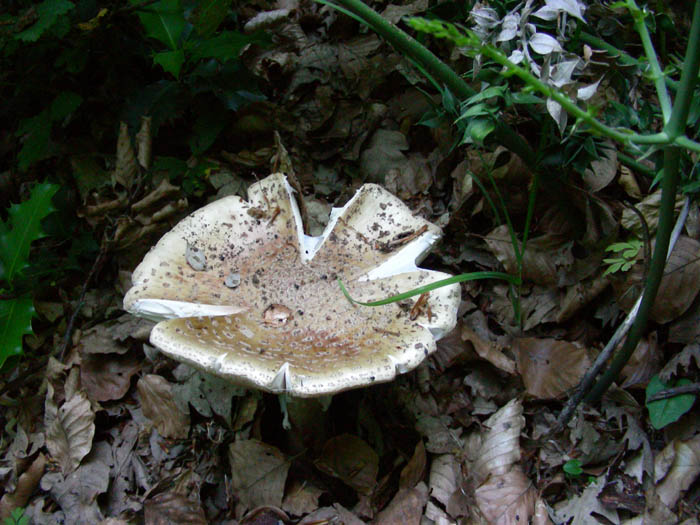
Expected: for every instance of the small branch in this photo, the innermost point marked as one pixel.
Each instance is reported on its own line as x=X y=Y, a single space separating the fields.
x=675 y=391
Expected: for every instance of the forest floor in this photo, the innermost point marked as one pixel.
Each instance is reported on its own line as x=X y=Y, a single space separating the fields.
x=106 y=429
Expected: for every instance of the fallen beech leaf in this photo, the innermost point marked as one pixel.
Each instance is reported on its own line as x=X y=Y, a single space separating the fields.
x=580 y=507
x=406 y=508
x=158 y=405
x=258 y=473
x=351 y=460
x=444 y=476
x=684 y=469
x=413 y=472
x=26 y=484
x=335 y=514
x=172 y=507
x=108 y=377
x=69 y=434
x=491 y=347
x=301 y=498
x=679 y=285
x=500 y=445
x=507 y=499
x=550 y=367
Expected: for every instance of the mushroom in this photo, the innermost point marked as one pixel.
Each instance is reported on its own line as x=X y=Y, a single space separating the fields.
x=285 y=326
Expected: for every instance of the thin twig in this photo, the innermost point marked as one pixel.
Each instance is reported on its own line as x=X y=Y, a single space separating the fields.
x=69 y=328
x=675 y=391
x=587 y=381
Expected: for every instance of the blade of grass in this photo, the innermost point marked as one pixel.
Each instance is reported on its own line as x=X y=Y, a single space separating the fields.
x=432 y=286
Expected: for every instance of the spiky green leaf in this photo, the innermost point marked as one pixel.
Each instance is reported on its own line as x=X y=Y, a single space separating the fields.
x=24 y=227
x=15 y=322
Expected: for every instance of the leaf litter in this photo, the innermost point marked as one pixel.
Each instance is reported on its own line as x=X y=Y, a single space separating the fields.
x=115 y=433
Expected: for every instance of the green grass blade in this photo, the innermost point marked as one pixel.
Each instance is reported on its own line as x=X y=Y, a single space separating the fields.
x=464 y=277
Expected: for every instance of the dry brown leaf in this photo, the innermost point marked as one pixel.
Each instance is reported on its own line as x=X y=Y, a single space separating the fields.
x=108 y=377
x=301 y=498
x=489 y=346
x=679 y=285
x=258 y=473
x=444 y=478
x=548 y=259
x=441 y=438
x=127 y=167
x=683 y=471
x=69 y=434
x=26 y=484
x=500 y=442
x=77 y=493
x=644 y=363
x=507 y=499
x=171 y=507
x=649 y=207
x=394 y=13
x=406 y=508
x=158 y=405
x=690 y=353
x=602 y=170
x=413 y=472
x=351 y=460
x=580 y=507
x=550 y=367
x=335 y=514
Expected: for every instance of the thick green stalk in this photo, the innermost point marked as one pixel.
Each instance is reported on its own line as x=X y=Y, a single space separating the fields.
x=674 y=128
x=410 y=47
x=656 y=72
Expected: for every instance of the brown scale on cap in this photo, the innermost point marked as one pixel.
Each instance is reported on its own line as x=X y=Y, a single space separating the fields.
x=288 y=326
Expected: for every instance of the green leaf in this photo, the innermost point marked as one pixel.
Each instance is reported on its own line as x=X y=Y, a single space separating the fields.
x=170 y=61
x=25 y=227
x=667 y=411
x=64 y=104
x=479 y=128
x=206 y=128
x=223 y=47
x=209 y=15
x=15 y=322
x=164 y=21
x=35 y=133
x=47 y=12
x=573 y=467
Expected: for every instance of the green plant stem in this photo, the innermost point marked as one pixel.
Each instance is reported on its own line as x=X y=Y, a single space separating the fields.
x=410 y=47
x=635 y=165
x=674 y=128
x=656 y=72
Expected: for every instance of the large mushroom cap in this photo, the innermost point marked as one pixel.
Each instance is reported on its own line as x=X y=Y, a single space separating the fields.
x=249 y=297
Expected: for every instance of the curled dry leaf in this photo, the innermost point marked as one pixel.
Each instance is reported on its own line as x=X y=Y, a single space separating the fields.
x=258 y=473
x=158 y=405
x=69 y=434
x=301 y=498
x=26 y=485
x=491 y=347
x=549 y=367
x=444 y=478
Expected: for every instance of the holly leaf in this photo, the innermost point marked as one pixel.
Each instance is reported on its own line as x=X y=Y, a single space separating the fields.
x=47 y=14
x=209 y=15
x=164 y=21
x=24 y=227
x=15 y=322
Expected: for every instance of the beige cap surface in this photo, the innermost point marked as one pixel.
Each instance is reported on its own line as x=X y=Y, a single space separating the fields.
x=251 y=298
